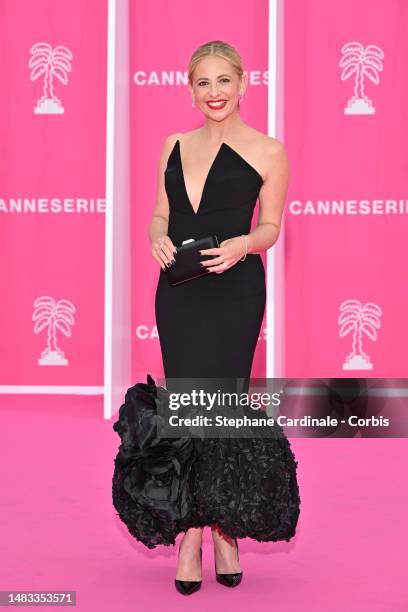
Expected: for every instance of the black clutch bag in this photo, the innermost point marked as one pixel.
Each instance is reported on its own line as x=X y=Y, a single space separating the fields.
x=187 y=265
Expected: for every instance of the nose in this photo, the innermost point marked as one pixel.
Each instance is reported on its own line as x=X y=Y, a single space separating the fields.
x=214 y=90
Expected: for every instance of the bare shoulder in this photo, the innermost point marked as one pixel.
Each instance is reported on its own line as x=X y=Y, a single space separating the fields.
x=190 y=137
x=275 y=156
x=268 y=153
x=167 y=147
x=275 y=146
x=171 y=140
x=268 y=145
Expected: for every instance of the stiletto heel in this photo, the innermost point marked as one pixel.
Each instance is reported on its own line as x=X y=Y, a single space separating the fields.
x=229 y=580
x=187 y=587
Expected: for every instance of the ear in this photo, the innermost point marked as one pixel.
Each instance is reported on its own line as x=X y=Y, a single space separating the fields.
x=244 y=83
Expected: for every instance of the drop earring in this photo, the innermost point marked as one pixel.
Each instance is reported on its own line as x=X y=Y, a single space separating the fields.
x=192 y=103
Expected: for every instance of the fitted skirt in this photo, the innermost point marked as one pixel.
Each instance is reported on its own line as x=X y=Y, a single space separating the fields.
x=208 y=330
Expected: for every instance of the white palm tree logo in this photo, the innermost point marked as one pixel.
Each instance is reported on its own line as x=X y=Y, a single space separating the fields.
x=362 y=62
x=53 y=316
x=51 y=63
x=360 y=320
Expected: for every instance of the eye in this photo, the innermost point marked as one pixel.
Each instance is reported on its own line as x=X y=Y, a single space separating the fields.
x=224 y=79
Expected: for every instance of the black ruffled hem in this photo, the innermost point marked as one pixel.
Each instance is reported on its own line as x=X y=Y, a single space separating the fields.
x=164 y=486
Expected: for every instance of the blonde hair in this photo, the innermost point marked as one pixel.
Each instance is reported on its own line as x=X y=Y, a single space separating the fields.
x=219 y=48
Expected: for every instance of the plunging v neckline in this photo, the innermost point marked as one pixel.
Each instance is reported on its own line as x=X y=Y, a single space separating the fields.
x=195 y=212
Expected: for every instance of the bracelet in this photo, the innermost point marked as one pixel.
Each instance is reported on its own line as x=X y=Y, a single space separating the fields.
x=246 y=247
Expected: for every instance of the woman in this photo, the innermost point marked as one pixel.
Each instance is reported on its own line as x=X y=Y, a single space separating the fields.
x=209 y=181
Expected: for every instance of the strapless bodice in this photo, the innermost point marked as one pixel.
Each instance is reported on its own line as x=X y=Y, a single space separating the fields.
x=228 y=199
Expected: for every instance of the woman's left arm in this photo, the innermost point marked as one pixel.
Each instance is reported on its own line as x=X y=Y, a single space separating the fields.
x=272 y=197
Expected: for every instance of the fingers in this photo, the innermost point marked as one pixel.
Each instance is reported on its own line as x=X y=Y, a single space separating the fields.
x=215 y=260
x=216 y=265
x=212 y=262
x=163 y=251
x=220 y=268
x=157 y=258
x=214 y=251
x=225 y=260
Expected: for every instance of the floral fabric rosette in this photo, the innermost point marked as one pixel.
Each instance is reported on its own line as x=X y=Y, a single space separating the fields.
x=151 y=480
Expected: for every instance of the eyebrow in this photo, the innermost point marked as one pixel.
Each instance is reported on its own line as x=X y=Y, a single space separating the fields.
x=220 y=75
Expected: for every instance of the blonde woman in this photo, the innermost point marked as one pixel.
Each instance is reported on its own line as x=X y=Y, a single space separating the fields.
x=209 y=181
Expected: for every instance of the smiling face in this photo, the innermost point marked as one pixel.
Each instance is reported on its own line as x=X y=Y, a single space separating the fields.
x=216 y=87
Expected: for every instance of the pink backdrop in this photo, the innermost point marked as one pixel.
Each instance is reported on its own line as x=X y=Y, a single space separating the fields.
x=55 y=161
x=354 y=153
x=346 y=286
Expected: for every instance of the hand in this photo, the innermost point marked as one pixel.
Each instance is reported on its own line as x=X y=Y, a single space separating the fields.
x=229 y=253
x=163 y=250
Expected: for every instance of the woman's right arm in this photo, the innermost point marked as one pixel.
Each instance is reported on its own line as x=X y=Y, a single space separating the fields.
x=162 y=247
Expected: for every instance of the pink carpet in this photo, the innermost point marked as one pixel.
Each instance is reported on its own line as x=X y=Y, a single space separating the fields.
x=59 y=530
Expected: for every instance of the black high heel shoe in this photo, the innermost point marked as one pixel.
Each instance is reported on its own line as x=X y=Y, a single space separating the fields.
x=188 y=587
x=230 y=580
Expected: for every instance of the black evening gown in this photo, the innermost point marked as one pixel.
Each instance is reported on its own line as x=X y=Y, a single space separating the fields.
x=209 y=327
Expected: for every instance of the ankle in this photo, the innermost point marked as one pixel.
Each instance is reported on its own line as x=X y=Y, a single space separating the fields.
x=226 y=555
x=189 y=563
x=191 y=543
